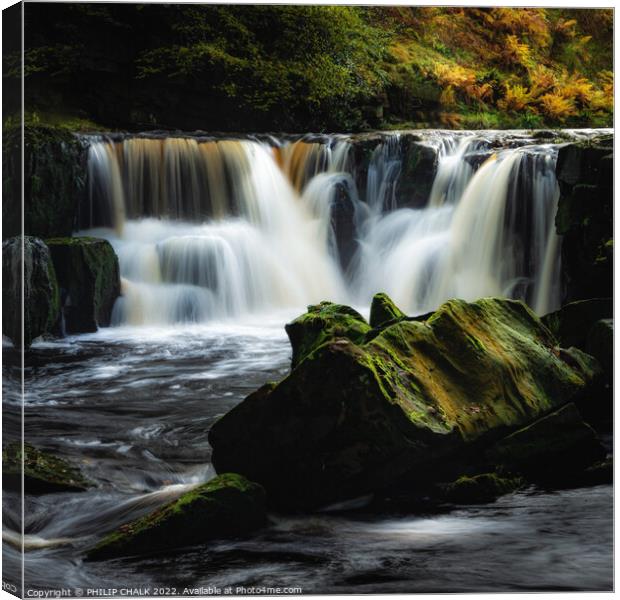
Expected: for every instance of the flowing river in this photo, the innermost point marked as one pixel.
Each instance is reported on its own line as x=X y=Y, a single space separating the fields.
x=220 y=243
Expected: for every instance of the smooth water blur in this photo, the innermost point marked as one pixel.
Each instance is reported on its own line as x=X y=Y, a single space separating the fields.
x=207 y=229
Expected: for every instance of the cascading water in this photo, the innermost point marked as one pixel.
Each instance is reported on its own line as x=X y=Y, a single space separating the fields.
x=210 y=229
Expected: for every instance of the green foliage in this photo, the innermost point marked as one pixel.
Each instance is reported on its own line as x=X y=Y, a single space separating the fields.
x=236 y=67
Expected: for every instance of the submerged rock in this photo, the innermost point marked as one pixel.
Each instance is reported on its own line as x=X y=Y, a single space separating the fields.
x=88 y=275
x=226 y=506
x=554 y=448
x=361 y=412
x=40 y=290
x=44 y=473
x=476 y=489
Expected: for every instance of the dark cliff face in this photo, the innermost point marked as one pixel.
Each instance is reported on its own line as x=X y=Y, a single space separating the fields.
x=585 y=218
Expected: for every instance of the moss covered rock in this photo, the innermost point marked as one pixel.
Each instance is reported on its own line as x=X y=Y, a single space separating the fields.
x=88 y=275
x=383 y=310
x=44 y=473
x=321 y=323
x=485 y=487
x=226 y=506
x=585 y=217
x=355 y=416
x=40 y=290
x=54 y=180
x=556 y=447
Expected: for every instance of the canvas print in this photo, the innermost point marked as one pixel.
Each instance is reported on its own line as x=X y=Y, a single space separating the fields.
x=306 y=299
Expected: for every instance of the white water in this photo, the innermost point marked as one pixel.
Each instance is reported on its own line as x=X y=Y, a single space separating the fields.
x=208 y=230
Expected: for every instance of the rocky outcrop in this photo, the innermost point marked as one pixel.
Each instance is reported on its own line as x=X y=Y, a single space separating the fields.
x=43 y=472
x=362 y=411
x=54 y=181
x=39 y=288
x=88 y=276
x=585 y=217
x=227 y=506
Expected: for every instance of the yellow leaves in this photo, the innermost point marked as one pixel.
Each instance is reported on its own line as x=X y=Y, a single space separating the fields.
x=515 y=99
x=530 y=22
x=454 y=75
x=516 y=52
x=575 y=87
x=455 y=78
x=557 y=107
x=565 y=28
x=542 y=79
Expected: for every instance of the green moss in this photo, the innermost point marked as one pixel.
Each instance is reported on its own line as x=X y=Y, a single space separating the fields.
x=43 y=472
x=228 y=505
x=383 y=310
x=322 y=323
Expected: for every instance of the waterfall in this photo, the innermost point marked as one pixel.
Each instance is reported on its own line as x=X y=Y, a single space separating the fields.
x=215 y=228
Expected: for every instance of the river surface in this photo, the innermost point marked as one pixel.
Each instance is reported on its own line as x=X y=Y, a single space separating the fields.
x=133 y=407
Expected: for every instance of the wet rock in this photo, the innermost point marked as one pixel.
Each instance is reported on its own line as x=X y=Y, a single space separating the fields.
x=584 y=217
x=383 y=310
x=324 y=322
x=359 y=413
x=343 y=216
x=419 y=167
x=227 y=506
x=40 y=290
x=478 y=489
x=44 y=473
x=54 y=180
x=554 y=448
x=88 y=275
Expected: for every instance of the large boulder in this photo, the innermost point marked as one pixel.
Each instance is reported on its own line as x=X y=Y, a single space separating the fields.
x=43 y=472
x=38 y=286
x=357 y=415
x=88 y=275
x=585 y=217
x=227 y=506
x=54 y=171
